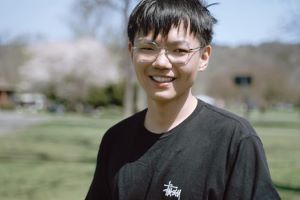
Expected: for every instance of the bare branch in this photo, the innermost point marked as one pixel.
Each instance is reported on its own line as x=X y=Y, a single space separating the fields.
x=109 y=3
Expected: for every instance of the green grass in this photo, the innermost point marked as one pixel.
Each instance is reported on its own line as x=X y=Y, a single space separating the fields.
x=280 y=134
x=56 y=160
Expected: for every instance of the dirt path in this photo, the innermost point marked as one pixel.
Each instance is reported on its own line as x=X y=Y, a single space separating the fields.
x=11 y=121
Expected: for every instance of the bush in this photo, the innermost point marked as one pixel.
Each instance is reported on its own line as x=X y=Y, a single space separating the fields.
x=97 y=97
x=7 y=106
x=115 y=93
x=104 y=96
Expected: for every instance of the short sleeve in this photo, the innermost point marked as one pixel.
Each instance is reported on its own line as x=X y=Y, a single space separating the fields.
x=250 y=177
x=99 y=189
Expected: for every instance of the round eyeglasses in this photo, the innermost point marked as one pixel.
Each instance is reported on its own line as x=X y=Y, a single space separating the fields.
x=177 y=53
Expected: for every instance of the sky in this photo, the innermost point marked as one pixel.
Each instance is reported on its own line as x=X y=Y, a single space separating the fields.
x=239 y=21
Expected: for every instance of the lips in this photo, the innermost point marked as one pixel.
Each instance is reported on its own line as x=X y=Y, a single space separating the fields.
x=162 y=79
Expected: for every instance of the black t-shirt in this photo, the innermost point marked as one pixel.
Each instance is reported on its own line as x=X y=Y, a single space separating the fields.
x=211 y=155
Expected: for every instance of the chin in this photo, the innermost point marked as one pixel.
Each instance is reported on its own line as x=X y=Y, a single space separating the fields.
x=166 y=96
x=160 y=97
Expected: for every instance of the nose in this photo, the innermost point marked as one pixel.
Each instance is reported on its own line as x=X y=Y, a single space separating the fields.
x=162 y=61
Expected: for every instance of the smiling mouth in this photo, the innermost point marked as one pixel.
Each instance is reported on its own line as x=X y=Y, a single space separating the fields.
x=162 y=79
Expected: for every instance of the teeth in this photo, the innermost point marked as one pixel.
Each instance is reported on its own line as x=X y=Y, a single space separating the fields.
x=162 y=79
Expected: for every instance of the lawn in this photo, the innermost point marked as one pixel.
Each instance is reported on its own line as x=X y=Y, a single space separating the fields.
x=56 y=160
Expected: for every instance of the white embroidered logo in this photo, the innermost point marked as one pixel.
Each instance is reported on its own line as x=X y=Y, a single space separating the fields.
x=172 y=191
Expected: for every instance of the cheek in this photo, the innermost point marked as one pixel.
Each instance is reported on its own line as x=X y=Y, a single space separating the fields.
x=189 y=74
x=192 y=78
x=139 y=71
x=192 y=69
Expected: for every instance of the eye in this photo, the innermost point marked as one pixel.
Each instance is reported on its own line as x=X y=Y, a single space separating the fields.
x=181 y=50
x=146 y=49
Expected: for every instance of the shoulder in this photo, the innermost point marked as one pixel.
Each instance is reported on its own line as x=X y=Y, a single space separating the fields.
x=227 y=121
x=126 y=126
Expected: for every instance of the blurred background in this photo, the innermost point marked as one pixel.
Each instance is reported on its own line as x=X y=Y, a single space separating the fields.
x=65 y=77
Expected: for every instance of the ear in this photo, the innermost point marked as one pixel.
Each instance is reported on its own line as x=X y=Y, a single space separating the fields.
x=205 y=55
x=130 y=49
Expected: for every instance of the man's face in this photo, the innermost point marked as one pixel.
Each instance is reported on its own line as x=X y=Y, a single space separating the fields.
x=162 y=79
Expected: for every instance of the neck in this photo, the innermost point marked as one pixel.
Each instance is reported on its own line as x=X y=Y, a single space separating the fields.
x=162 y=117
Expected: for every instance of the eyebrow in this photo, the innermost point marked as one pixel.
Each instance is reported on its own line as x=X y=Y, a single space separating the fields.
x=176 y=42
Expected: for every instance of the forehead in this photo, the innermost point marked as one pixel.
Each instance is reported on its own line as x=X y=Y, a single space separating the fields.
x=175 y=34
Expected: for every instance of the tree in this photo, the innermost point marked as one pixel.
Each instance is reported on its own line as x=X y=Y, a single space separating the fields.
x=92 y=11
x=85 y=22
x=290 y=23
x=12 y=56
x=67 y=70
x=292 y=27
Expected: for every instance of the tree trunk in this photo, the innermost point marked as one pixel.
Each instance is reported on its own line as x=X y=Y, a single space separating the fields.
x=128 y=99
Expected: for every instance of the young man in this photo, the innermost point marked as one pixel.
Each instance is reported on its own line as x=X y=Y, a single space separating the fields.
x=179 y=147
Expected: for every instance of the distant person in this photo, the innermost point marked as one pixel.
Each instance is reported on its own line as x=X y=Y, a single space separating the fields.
x=179 y=147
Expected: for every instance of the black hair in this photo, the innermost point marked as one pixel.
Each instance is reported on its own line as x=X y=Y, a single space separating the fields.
x=161 y=15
